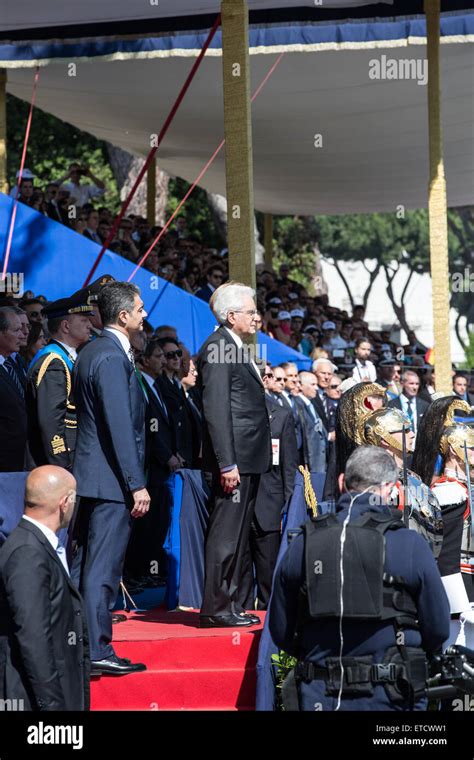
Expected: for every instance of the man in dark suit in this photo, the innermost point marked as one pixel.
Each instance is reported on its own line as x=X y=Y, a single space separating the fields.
x=323 y=371
x=315 y=443
x=52 y=421
x=460 y=388
x=44 y=660
x=408 y=401
x=162 y=459
x=13 y=421
x=236 y=449
x=181 y=415
x=109 y=464
x=274 y=491
x=215 y=277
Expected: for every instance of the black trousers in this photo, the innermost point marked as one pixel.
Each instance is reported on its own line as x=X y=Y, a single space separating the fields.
x=103 y=530
x=258 y=567
x=145 y=555
x=226 y=544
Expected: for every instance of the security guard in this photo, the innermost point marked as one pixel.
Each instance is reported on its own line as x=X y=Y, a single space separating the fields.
x=50 y=408
x=371 y=625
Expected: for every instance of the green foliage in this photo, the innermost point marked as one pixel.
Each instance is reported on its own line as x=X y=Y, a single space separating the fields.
x=195 y=211
x=283 y=664
x=52 y=146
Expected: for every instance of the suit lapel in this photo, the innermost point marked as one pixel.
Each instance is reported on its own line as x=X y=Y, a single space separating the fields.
x=9 y=381
x=26 y=525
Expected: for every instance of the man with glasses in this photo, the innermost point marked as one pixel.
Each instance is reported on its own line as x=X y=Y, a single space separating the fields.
x=236 y=450
x=274 y=491
x=33 y=309
x=185 y=435
x=333 y=393
x=276 y=385
x=215 y=277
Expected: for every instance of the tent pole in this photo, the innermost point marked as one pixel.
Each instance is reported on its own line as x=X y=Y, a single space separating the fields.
x=151 y=193
x=268 y=238
x=238 y=137
x=3 y=132
x=437 y=207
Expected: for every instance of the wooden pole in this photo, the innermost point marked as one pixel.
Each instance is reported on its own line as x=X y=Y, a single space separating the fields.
x=3 y=132
x=437 y=207
x=238 y=145
x=151 y=193
x=268 y=238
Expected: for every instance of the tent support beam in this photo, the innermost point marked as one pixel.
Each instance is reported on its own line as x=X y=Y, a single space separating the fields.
x=268 y=238
x=437 y=207
x=3 y=132
x=238 y=145
x=151 y=193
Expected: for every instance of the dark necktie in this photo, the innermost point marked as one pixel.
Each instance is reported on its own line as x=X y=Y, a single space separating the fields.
x=10 y=367
x=411 y=414
x=160 y=398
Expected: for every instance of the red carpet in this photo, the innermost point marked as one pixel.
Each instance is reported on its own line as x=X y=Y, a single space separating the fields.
x=189 y=668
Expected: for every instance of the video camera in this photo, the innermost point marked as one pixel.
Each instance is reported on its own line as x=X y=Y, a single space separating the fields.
x=452 y=673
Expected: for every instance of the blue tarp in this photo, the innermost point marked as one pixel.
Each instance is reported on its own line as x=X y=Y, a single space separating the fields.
x=55 y=262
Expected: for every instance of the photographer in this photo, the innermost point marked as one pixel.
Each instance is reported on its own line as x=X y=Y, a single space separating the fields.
x=81 y=193
x=394 y=607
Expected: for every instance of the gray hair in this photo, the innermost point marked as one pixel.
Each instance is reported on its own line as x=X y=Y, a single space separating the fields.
x=5 y=312
x=317 y=363
x=408 y=372
x=369 y=466
x=116 y=297
x=229 y=297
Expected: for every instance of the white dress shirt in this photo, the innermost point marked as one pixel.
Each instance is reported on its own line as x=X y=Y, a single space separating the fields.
x=238 y=340
x=363 y=372
x=124 y=341
x=68 y=349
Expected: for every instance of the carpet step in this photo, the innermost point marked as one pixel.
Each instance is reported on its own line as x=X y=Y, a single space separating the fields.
x=229 y=689
x=204 y=653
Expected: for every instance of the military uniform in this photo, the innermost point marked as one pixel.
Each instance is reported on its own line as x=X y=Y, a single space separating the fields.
x=52 y=421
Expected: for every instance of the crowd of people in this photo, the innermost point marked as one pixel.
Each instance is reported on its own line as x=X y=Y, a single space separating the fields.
x=97 y=404
x=287 y=312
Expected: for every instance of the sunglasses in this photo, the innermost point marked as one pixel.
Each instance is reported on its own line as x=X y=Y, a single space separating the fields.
x=335 y=387
x=174 y=354
x=36 y=313
x=279 y=379
x=269 y=374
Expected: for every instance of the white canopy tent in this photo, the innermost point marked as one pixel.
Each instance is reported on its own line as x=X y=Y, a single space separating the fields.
x=374 y=151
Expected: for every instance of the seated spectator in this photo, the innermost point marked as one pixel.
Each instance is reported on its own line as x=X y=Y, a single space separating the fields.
x=215 y=277
x=460 y=388
x=283 y=331
x=26 y=175
x=364 y=368
x=26 y=191
x=92 y=227
x=81 y=193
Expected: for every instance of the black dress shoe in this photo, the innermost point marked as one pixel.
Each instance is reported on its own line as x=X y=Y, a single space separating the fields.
x=224 y=621
x=116 y=618
x=115 y=666
x=255 y=620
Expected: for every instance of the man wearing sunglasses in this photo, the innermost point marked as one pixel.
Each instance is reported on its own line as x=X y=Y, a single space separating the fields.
x=174 y=397
x=236 y=450
x=215 y=277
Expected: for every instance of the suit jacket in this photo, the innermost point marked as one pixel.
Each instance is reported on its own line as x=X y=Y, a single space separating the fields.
x=315 y=439
x=186 y=433
x=110 y=449
x=52 y=421
x=204 y=293
x=276 y=486
x=13 y=425
x=160 y=440
x=319 y=406
x=44 y=654
x=236 y=428
x=421 y=407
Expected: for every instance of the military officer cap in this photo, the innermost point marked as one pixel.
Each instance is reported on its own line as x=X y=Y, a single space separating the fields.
x=63 y=307
x=90 y=294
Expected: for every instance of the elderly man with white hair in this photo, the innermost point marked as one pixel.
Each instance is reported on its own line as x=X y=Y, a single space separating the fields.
x=236 y=449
